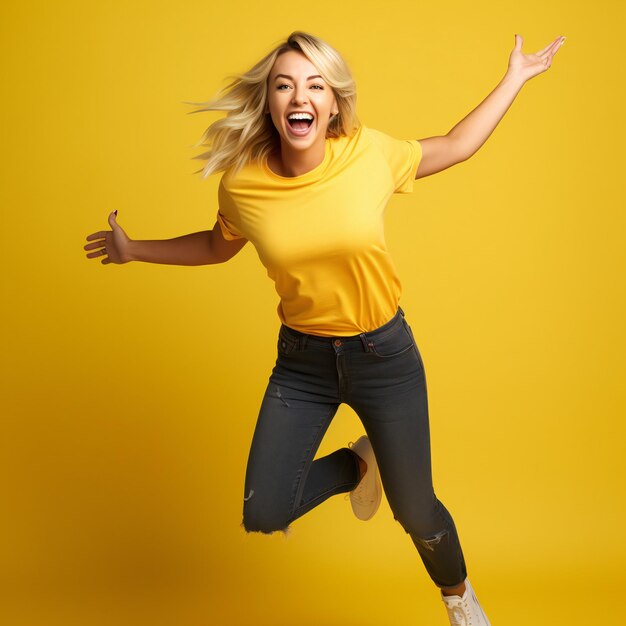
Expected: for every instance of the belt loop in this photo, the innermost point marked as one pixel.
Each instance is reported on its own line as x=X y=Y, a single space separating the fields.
x=303 y=340
x=363 y=338
x=401 y=311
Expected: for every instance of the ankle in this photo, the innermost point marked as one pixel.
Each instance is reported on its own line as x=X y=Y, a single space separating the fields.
x=459 y=590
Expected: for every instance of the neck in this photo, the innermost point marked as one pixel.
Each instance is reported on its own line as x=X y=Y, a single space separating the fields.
x=293 y=162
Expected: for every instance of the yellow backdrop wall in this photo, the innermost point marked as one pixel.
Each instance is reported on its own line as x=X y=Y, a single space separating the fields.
x=130 y=392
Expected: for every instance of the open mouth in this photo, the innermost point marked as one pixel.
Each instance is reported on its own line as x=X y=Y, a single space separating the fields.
x=300 y=123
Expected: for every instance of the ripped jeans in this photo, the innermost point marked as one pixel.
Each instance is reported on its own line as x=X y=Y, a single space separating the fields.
x=380 y=375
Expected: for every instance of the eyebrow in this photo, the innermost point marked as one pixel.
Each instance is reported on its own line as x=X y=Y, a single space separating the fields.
x=291 y=77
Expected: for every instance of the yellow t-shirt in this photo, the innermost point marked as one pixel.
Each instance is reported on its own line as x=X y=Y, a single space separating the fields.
x=321 y=235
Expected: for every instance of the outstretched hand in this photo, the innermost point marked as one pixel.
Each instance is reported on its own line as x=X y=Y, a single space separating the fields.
x=525 y=66
x=113 y=244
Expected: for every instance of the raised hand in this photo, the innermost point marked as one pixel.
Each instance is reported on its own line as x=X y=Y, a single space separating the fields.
x=525 y=66
x=113 y=244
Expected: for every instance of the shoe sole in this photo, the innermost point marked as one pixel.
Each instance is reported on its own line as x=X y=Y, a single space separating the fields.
x=363 y=448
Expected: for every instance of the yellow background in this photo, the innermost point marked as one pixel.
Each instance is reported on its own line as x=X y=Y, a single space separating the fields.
x=130 y=392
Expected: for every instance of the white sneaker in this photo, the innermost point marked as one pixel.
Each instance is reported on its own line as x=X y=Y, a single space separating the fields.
x=366 y=496
x=465 y=610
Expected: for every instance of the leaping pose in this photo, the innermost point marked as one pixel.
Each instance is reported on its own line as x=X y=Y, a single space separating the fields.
x=308 y=185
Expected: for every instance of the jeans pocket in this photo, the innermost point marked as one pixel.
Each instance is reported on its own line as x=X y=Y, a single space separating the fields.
x=286 y=344
x=410 y=331
x=394 y=343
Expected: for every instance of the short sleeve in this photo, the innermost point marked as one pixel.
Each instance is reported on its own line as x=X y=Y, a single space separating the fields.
x=403 y=157
x=229 y=231
x=226 y=215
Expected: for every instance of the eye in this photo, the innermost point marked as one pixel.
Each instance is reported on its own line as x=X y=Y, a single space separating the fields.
x=318 y=86
x=281 y=86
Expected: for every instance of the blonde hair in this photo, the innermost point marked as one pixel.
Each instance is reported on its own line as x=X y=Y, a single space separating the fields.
x=247 y=133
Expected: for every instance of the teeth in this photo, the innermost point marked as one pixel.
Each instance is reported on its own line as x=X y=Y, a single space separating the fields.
x=300 y=116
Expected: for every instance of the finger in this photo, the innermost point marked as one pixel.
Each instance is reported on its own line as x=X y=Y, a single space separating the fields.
x=554 y=47
x=112 y=219
x=547 y=61
x=553 y=52
x=99 y=235
x=97 y=253
x=95 y=244
x=541 y=52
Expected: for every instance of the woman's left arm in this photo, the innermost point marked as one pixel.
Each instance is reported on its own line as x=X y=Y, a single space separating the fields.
x=464 y=140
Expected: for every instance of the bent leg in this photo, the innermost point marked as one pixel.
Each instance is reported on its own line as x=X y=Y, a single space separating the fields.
x=283 y=482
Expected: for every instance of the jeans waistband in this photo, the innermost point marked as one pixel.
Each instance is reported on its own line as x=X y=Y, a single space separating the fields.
x=350 y=340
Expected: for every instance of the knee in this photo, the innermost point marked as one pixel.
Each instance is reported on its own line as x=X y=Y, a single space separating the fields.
x=261 y=518
x=426 y=527
x=425 y=536
x=419 y=527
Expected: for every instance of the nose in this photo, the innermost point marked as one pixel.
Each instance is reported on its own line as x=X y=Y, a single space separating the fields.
x=299 y=95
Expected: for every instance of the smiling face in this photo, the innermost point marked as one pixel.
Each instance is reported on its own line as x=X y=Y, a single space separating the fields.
x=295 y=86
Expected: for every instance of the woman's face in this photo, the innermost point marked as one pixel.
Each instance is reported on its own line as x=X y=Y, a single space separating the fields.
x=295 y=85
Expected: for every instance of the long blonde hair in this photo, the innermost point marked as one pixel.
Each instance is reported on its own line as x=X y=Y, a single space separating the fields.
x=247 y=133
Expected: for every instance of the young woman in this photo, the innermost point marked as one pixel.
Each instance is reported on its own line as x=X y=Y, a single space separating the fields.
x=308 y=185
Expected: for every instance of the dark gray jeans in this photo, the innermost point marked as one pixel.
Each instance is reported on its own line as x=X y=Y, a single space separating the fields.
x=380 y=374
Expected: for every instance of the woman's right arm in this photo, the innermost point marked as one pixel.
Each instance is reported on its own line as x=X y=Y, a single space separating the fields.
x=203 y=248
